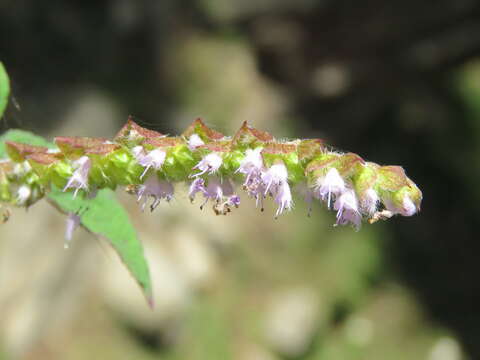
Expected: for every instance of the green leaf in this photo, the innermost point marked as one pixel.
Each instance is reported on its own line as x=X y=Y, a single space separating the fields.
x=102 y=215
x=4 y=89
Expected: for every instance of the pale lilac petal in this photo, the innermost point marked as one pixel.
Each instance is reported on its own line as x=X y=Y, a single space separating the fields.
x=23 y=194
x=255 y=188
x=138 y=152
x=409 y=207
x=79 y=178
x=330 y=187
x=275 y=175
x=274 y=181
x=214 y=189
x=234 y=200
x=221 y=193
x=259 y=182
x=252 y=167
x=370 y=202
x=283 y=198
x=153 y=159
x=197 y=185
x=155 y=188
x=252 y=161
x=227 y=187
x=208 y=165
x=194 y=141
x=347 y=209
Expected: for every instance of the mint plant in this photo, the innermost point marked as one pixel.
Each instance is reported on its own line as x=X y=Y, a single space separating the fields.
x=151 y=165
x=78 y=174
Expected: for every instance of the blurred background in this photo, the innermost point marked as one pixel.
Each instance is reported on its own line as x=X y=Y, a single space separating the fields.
x=398 y=82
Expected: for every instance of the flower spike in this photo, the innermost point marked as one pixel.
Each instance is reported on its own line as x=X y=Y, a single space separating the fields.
x=150 y=164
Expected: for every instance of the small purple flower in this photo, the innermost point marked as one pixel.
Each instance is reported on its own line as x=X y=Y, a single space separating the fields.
x=214 y=190
x=197 y=185
x=221 y=192
x=194 y=141
x=252 y=167
x=330 y=187
x=208 y=165
x=158 y=189
x=252 y=164
x=256 y=189
x=407 y=207
x=73 y=222
x=283 y=198
x=274 y=176
x=218 y=189
x=154 y=159
x=23 y=194
x=347 y=209
x=275 y=183
x=234 y=200
x=228 y=198
x=369 y=203
x=79 y=178
x=259 y=182
x=138 y=152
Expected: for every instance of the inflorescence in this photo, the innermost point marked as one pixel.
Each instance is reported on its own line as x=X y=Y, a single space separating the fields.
x=150 y=164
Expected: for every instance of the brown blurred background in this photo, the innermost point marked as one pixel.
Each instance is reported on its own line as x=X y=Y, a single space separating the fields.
x=396 y=81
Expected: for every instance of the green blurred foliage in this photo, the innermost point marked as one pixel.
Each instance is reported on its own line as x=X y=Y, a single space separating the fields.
x=4 y=89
